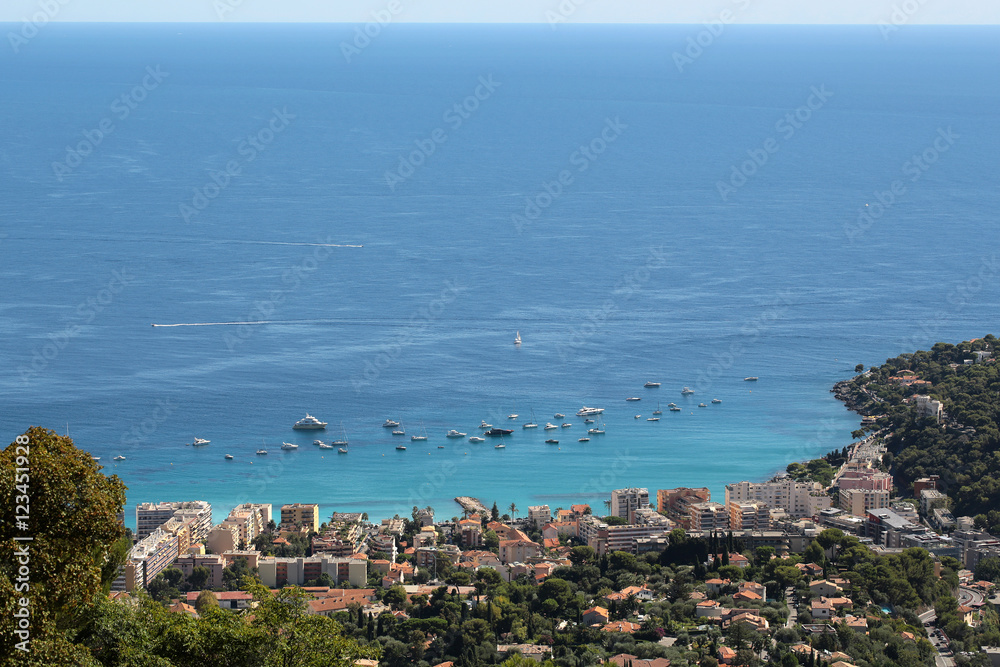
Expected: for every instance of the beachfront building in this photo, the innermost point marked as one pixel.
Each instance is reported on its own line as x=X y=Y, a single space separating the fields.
x=798 y=499
x=625 y=501
x=146 y=559
x=749 y=516
x=300 y=514
x=539 y=515
x=677 y=503
x=280 y=572
x=707 y=516
x=150 y=516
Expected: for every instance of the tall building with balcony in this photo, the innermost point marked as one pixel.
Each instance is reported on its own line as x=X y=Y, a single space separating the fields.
x=304 y=514
x=798 y=499
x=150 y=516
x=625 y=501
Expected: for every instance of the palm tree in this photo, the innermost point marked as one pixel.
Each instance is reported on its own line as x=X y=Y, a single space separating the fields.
x=607 y=503
x=513 y=510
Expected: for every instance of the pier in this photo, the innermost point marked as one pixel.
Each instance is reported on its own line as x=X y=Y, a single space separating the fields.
x=471 y=504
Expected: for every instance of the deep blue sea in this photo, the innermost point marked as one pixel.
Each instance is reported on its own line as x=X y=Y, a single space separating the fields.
x=636 y=215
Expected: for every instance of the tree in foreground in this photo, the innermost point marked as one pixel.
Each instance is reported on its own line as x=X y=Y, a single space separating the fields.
x=76 y=545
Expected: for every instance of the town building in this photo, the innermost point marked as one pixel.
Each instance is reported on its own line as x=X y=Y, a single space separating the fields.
x=146 y=559
x=676 y=503
x=625 y=501
x=707 y=516
x=301 y=514
x=798 y=499
x=749 y=516
x=150 y=516
x=859 y=502
x=931 y=499
x=539 y=515
x=280 y=572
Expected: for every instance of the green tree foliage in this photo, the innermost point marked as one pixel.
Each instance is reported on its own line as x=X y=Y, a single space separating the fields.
x=76 y=544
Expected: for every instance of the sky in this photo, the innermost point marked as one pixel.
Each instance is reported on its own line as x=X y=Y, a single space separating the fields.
x=899 y=12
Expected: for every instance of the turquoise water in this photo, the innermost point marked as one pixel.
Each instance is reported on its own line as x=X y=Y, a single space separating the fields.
x=634 y=266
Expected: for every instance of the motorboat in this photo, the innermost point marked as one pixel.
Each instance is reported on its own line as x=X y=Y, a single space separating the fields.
x=671 y=405
x=500 y=446
x=289 y=446
x=558 y=415
x=675 y=409
x=229 y=457
x=752 y=378
x=584 y=440
x=633 y=399
x=588 y=420
x=399 y=432
x=716 y=400
x=95 y=458
x=652 y=419
x=702 y=405
x=454 y=434
x=309 y=423
x=388 y=423
x=326 y=446
x=342 y=450
x=638 y=416
x=686 y=391
x=588 y=412
x=401 y=448
x=483 y=425
x=318 y=442
x=200 y=442
x=595 y=431
x=551 y=441
x=565 y=424
x=651 y=385
x=498 y=432
x=549 y=426
x=119 y=458
x=477 y=439
x=261 y=452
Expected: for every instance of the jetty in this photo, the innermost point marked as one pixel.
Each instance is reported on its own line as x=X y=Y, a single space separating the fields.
x=471 y=504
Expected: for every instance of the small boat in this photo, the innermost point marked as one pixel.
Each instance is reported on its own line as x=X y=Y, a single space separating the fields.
x=388 y=423
x=638 y=416
x=309 y=423
x=675 y=409
x=549 y=426
x=119 y=458
x=513 y=415
x=342 y=450
x=454 y=434
x=633 y=398
x=483 y=425
x=500 y=446
x=651 y=384
x=326 y=446
x=657 y=411
x=517 y=338
x=96 y=458
x=477 y=439
x=289 y=446
x=261 y=452
x=399 y=432
x=671 y=405
x=551 y=441
x=584 y=440
x=200 y=442
x=702 y=405
x=752 y=378
x=716 y=400
x=566 y=425
x=588 y=420
x=687 y=391
x=558 y=415
x=532 y=423
x=588 y=412
x=318 y=442
x=595 y=431
x=401 y=448
x=498 y=432
x=229 y=457
x=652 y=419
x=440 y=446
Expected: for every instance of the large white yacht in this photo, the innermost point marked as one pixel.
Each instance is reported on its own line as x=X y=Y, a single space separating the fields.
x=289 y=445
x=200 y=442
x=454 y=434
x=586 y=412
x=309 y=423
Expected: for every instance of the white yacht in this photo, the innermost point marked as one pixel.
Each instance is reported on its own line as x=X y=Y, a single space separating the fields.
x=702 y=405
x=483 y=425
x=687 y=391
x=454 y=434
x=752 y=378
x=422 y=436
x=388 y=423
x=584 y=440
x=549 y=426
x=318 y=442
x=716 y=400
x=566 y=425
x=325 y=446
x=587 y=412
x=289 y=445
x=309 y=423
x=229 y=457
x=652 y=419
x=595 y=431
x=633 y=398
x=200 y=442
x=651 y=384
x=558 y=415
x=342 y=450
x=261 y=452
x=477 y=439
x=675 y=409
x=517 y=338
x=119 y=458
x=399 y=432
x=401 y=448
x=500 y=446
x=532 y=423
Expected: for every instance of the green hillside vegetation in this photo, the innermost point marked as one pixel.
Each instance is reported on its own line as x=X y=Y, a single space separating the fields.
x=963 y=448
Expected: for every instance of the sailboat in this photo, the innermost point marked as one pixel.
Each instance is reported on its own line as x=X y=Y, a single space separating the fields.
x=517 y=339
x=532 y=423
x=423 y=433
x=343 y=441
x=657 y=411
x=513 y=415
